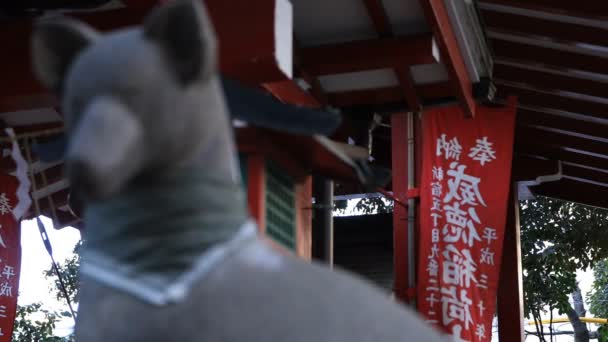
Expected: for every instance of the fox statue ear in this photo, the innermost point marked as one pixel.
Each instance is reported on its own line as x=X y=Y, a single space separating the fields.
x=184 y=32
x=55 y=45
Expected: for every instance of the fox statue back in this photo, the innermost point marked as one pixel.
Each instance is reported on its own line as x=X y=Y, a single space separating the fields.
x=170 y=252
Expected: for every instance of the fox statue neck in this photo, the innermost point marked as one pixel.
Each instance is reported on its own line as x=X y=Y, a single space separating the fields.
x=161 y=222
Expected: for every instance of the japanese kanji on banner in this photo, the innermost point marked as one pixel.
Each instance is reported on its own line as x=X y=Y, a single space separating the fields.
x=466 y=173
x=10 y=255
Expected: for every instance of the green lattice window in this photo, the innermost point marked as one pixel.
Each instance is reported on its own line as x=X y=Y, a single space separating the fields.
x=243 y=167
x=280 y=206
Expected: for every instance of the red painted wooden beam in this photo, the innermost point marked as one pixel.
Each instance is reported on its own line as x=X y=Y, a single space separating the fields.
x=530 y=118
x=26 y=102
x=64 y=219
x=553 y=138
x=437 y=17
x=555 y=80
x=368 y=54
x=260 y=57
x=435 y=91
x=255 y=59
x=56 y=127
x=536 y=27
x=430 y=91
x=575 y=191
x=367 y=96
x=582 y=8
x=15 y=36
x=289 y=92
x=60 y=198
x=592 y=175
x=303 y=154
x=53 y=175
x=377 y=13
x=406 y=81
x=264 y=143
x=527 y=168
x=534 y=54
x=316 y=89
x=256 y=38
x=543 y=98
x=7 y=164
x=556 y=153
x=143 y=3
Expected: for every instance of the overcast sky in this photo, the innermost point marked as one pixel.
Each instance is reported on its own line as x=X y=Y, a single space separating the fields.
x=33 y=287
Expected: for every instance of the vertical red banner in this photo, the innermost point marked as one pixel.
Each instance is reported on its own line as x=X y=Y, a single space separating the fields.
x=466 y=171
x=10 y=256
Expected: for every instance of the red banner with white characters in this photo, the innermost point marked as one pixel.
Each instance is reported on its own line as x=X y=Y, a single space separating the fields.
x=10 y=255
x=466 y=172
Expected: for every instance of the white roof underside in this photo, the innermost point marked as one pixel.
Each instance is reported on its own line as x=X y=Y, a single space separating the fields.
x=318 y=22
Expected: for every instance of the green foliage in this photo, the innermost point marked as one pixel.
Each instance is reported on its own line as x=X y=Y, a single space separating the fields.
x=340 y=206
x=365 y=206
x=69 y=272
x=602 y=333
x=34 y=322
x=598 y=296
x=374 y=205
x=557 y=238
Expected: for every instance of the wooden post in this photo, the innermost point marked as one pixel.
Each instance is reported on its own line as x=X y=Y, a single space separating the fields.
x=304 y=218
x=399 y=150
x=510 y=307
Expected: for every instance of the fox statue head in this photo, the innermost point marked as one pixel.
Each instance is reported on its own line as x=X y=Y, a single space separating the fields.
x=136 y=100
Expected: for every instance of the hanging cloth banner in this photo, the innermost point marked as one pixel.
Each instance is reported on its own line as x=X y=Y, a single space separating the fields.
x=10 y=255
x=465 y=183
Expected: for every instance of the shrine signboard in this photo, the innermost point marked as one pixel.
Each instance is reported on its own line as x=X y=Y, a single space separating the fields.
x=466 y=175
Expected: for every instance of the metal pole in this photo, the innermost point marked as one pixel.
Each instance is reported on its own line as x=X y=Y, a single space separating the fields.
x=411 y=211
x=323 y=223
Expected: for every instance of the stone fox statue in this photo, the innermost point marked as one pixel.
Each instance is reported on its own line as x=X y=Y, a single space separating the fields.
x=171 y=254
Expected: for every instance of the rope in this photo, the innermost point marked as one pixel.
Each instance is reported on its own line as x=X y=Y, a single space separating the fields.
x=42 y=229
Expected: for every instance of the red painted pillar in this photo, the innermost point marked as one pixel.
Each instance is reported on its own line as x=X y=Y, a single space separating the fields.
x=510 y=307
x=400 y=242
x=418 y=135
